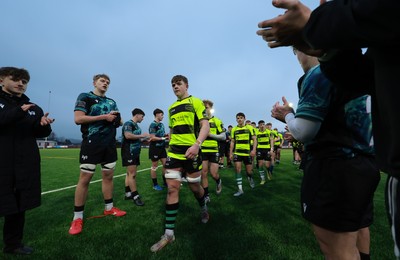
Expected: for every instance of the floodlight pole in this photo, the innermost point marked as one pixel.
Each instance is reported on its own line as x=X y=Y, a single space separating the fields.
x=48 y=111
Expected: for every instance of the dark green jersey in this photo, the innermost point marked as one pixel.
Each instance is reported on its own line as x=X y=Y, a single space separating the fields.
x=346 y=126
x=133 y=146
x=242 y=136
x=157 y=129
x=93 y=105
x=184 y=121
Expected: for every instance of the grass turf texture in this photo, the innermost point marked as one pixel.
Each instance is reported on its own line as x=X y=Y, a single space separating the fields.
x=264 y=223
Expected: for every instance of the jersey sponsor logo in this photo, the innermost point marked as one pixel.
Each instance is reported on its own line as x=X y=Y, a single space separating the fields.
x=180 y=118
x=80 y=104
x=31 y=113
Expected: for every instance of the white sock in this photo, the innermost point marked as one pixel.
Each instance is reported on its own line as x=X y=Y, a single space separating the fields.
x=109 y=206
x=78 y=214
x=128 y=194
x=169 y=232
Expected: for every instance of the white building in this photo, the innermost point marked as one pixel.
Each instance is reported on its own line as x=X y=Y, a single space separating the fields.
x=43 y=143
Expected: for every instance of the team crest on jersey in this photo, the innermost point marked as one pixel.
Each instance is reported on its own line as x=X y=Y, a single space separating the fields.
x=188 y=107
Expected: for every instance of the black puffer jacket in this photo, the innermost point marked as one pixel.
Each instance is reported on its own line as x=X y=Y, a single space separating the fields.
x=20 y=185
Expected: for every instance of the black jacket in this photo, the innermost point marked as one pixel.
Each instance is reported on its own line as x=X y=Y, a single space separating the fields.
x=350 y=24
x=19 y=154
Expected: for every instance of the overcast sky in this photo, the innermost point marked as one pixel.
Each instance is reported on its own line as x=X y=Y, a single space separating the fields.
x=141 y=44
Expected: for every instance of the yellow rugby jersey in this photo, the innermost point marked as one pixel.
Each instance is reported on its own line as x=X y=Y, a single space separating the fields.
x=242 y=136
x=263 y=139
x=211 y=145
x=275 y=135
x=281 y=138
x=184 y=120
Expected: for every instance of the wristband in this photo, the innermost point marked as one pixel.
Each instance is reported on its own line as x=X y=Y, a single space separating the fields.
x=198 y=143
x=163 y=138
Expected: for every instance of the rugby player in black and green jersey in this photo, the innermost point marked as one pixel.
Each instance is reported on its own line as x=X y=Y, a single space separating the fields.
x=98 y=117
x=210 y=152
x=131 y=147
x=157 y=146
x=189 y=127
x=240 y=151
x=264 y=149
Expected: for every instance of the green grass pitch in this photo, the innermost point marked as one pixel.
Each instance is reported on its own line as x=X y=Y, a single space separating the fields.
x=265 y=223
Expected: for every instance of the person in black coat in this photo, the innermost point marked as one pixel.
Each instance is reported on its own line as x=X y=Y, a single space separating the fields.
x=21 y=122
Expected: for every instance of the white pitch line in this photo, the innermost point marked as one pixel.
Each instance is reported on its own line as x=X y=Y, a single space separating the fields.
x=74 y=186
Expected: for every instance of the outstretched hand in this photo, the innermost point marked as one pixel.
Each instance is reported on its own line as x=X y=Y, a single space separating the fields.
x=45 y=120
x=286 y=29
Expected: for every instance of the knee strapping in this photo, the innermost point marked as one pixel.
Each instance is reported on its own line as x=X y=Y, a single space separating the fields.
x=194 y=180
x=154 y=168
x=171 y=174
x=108 y=166
x=88 y=167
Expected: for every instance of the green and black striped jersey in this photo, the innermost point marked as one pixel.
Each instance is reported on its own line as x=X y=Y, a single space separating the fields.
x=263 y=139
x=211 y=145
x=184 y=120
x=242 y=136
